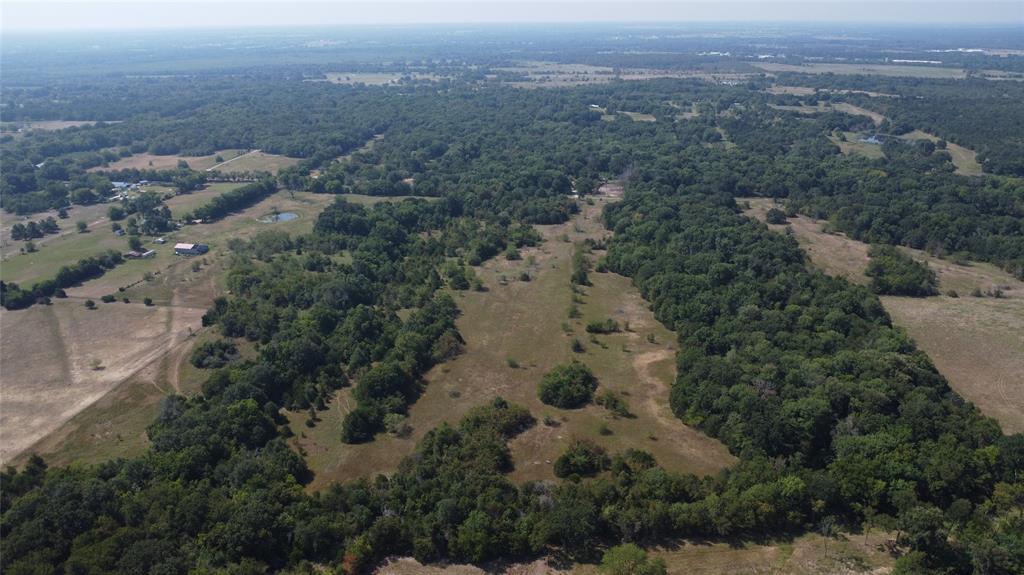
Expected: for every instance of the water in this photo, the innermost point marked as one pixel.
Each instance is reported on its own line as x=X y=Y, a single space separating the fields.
x=282 y=217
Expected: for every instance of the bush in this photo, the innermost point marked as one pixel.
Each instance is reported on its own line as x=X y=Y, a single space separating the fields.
x=776 y=216
x=603 y=326
x=213 y=354
x=628 y=559
x=148 y=301
x=584 y=458
x=614 y=403
x=568 y=386
x=89 y=304
x=577 y=346
x=108 y=299
x=893 y=272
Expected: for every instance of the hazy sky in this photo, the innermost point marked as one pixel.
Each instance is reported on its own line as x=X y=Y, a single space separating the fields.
x=142 y=14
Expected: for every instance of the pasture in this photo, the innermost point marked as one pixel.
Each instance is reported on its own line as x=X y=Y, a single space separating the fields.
x=254 y=161
x=522 y=321
x=977 y=343
x=850 y=144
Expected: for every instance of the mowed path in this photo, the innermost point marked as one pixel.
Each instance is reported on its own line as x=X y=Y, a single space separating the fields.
x=526 y=322
x=977 y=343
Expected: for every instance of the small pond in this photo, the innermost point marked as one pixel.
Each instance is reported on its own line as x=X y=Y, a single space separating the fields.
x=282 y=217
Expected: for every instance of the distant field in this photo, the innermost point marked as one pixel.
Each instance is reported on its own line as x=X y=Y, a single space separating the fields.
x=638 y=117
x=375 y=78
x=965 y=160
x=806 y=91
x=155 y=162
x=254 y=161
x=853 y=145
x=833 y=106
x=522 y=321
x=868 y=69
x=976 y=343
x=43 y=125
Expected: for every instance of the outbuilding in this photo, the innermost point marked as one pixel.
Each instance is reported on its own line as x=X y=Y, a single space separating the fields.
x=190 y=249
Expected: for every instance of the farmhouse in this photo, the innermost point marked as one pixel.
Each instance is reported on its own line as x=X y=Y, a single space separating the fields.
x=190 y=249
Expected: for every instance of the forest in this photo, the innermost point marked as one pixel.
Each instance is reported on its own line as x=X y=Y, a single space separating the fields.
x=837 y=419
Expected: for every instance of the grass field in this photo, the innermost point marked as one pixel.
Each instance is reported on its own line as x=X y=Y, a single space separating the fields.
x=809 y=554
x=853 y=145
x=976 y=343
x=152 y=161
x=638 y=116
x=867 y=69
x=254 y=161
x=522 y=321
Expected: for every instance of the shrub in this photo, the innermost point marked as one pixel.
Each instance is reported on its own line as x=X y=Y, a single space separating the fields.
x=213 y=354
x=584 y=458
x=603 y=326
x=148 y=301
x=577 y=346
x=628 y=559
x=108 y=299
x=893 y=272
x=776 y=216
x=568 y=386
x=614 y=403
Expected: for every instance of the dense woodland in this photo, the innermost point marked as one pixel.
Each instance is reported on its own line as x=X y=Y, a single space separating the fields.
x=836 y=418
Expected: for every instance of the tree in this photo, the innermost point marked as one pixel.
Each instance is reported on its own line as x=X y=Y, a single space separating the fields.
x=628 y=559
x=82 y=226
x=135 y=243
x=568 y=386
x=583 y=457
x=89 y=304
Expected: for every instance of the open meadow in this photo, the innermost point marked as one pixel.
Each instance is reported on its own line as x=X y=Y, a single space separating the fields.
x=516 y=331
x=866 y=69
x=977 y=343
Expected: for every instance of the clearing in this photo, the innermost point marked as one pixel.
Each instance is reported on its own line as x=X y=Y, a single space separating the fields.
x=809 y=554
x=527 y=322
x=374 y=78
x=155 y=162
x=977 y=343
x=965 y=160
x=254 y=161
x=868 y=69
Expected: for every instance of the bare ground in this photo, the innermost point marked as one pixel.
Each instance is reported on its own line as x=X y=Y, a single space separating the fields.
x=977 y=343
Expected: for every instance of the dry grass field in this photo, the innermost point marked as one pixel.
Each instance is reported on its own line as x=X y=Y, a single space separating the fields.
x=809 y=554
x=977 y=343
x=638 y=116
x=523 y=322
x=833 y=106
x=867 y=69
x=254 y=161
x=59 y=359
x=155 y=162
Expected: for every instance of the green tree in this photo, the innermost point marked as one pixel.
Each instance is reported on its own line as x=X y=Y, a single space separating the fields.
x=628 y=559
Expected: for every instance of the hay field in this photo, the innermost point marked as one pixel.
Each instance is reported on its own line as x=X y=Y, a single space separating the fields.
x=254 y=161
x=976 y=343
x=522 y=321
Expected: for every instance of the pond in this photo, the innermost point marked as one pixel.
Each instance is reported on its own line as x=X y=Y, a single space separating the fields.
x=282 y=217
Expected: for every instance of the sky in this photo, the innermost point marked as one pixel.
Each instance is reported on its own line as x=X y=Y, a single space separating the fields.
x=28 y=15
